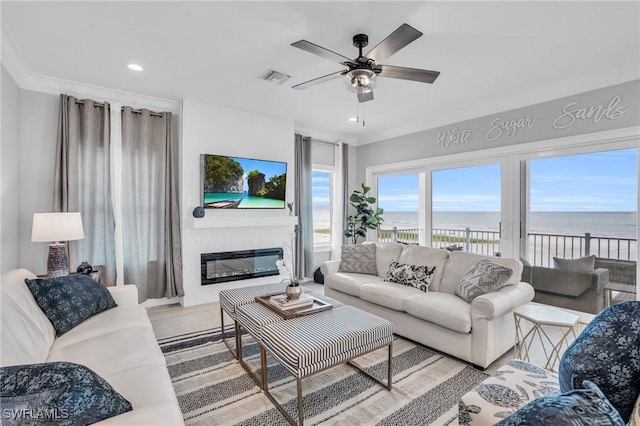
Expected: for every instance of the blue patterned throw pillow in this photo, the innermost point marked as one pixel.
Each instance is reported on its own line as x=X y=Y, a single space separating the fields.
x=607 y=352
x=57 y=393
x=411 y=275
x=580 y=407
x=68 y=301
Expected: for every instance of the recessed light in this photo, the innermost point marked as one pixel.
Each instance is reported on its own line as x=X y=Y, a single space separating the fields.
x=353 y=119
x=135 y=67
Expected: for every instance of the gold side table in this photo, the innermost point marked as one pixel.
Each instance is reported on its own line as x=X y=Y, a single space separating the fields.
x=543 y=319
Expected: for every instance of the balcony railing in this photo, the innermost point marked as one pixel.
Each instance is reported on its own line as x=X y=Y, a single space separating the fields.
x=542 y=247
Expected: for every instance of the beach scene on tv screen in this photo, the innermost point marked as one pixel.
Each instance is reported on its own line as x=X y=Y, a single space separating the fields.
x=243 y=183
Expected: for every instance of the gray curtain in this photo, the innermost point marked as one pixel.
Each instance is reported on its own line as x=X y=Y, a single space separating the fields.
x=303 y=206
x=82 y=183
x=345 y=188
x=150 y=217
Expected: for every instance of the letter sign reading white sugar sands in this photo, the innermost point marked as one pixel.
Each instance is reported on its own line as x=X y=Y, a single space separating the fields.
x=570 y=113
x=508 y=128
x=454 y=136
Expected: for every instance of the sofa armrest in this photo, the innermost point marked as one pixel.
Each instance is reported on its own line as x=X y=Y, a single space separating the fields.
x=602 y=279
x=330 y=267
x=501 y=302
x=124 y=294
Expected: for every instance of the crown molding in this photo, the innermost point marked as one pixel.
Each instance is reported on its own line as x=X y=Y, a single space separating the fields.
x=55 y=86
x=324 y=135
x=16 y=66
x=11 y=58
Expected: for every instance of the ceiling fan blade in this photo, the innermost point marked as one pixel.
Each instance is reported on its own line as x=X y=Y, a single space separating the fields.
x=365 y=96
x=321 y=51
x=395 y=41
x=414 y=74
x=319 y=80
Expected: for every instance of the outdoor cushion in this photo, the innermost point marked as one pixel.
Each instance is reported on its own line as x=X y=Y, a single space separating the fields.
x=582 y=264
x=443 y=309
x=606 y=353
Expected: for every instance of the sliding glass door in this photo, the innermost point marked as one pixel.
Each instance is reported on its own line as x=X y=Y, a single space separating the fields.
x=580 y=220
x=466 y=208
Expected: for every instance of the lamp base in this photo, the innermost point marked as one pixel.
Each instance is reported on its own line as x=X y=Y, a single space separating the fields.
x=58 y=262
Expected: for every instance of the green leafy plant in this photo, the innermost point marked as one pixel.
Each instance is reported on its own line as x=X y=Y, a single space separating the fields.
x=366 y=216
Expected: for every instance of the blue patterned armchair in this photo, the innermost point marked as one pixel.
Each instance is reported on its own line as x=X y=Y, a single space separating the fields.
x=598 y=381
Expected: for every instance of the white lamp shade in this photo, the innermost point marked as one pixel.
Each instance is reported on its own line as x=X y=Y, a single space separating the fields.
x=50 y=227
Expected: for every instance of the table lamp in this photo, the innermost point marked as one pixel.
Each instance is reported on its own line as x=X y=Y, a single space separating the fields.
x=57 y=228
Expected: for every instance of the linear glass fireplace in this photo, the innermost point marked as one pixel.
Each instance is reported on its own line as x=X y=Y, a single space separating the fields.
x=238 y=265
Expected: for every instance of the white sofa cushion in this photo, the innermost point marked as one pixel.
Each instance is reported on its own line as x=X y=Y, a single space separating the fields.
x=389 y=295
x=426 y=256
x=385 y=254
x=349 y=283
x=99 y=325
x=27 y=334
x=460 y=262
x=108 y=354
x=443 y=309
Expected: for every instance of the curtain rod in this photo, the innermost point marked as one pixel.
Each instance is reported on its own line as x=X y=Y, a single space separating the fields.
x=325 y=142
x=135 y=111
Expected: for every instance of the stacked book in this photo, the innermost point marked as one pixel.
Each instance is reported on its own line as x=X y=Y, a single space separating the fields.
x=281 y=302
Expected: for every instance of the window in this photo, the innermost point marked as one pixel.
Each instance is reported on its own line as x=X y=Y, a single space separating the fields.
x=321 y=181
x=398 y=196
x=466 y=208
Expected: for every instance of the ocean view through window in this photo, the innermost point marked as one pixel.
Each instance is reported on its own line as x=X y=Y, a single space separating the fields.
x=321 y=181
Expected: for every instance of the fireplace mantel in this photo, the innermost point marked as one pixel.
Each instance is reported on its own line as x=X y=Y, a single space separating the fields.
x=212 y=221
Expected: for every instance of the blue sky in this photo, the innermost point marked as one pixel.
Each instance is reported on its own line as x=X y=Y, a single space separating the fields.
x=320 y=182
x=602 y=181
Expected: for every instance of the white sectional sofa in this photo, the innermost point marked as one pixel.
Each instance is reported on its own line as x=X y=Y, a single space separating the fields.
x=118 y=344
x=477 y=332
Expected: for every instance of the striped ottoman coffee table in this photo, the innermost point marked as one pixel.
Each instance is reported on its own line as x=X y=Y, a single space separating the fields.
x=232 y=298
x=312 y=343
x=254 y=316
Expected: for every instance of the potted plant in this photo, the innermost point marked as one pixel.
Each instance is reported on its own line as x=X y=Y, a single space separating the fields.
x=366 y=216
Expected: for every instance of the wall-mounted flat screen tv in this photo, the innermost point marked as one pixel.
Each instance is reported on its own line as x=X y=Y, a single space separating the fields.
x=242 y=183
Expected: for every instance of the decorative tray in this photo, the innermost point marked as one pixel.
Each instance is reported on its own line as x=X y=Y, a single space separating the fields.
x=317 y=305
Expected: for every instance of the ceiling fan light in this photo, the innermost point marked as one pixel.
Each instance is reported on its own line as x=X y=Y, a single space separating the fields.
x=360 y=79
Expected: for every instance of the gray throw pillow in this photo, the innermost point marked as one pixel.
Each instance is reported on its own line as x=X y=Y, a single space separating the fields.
x=484 y=277
x=582 y=264
x=411 y=275
x=360 y=259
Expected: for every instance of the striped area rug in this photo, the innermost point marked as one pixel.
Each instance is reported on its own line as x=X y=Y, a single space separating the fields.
x=213 y=389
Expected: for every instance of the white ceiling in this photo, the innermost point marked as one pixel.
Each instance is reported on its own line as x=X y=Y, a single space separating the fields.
x=492 y=56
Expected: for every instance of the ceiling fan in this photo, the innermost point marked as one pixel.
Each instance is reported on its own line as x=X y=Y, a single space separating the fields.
x=362 y=71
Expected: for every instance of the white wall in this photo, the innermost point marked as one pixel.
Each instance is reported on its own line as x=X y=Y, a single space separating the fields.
x=209 y=129
x=9 y=175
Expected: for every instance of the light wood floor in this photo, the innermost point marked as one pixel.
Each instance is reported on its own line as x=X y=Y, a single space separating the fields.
x=174 y=320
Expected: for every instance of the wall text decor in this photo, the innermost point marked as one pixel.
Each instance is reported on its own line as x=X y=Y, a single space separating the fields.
x=454 y=136
x=508 y=128
x=571 y=114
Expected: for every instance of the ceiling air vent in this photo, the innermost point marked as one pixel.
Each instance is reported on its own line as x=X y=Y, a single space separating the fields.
x=274 y=76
